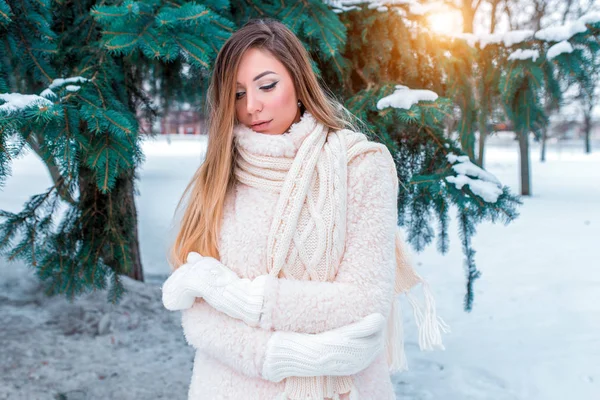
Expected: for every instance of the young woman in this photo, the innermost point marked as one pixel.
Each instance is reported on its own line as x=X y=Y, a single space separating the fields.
x=287 y=253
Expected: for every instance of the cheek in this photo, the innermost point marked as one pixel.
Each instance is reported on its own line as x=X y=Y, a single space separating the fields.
x=240 y=111
x=282 y=98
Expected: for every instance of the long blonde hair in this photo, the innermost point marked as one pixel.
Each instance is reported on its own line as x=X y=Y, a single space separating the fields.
x=204 y=196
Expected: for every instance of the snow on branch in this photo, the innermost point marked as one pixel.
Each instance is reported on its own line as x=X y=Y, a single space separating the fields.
x=403 y=97
x=15 y=102
x=481 y=182
x=561 y=33
x=340 y=6
x=558 y=49
x=550 y=34
x=521 y=54
x=57 y=83
x=567 y=31
x=508 y=39
x=590 y=18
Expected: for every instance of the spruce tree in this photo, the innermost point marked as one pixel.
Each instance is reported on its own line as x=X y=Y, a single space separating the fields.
x=82 y=66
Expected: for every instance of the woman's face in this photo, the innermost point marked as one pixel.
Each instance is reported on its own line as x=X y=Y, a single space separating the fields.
x=265 y=92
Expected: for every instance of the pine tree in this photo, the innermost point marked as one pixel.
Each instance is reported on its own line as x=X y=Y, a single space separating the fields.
x=123 y=57
x=84 y=127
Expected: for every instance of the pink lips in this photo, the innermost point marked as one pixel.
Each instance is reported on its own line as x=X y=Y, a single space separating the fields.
x=261 y=127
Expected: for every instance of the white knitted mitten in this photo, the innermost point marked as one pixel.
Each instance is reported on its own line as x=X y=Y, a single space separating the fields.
x=342 y=351
x=208 y=278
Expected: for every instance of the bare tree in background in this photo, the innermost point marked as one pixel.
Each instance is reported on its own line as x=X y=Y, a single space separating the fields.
x=588 y=95
x=484 y=91
x=468 y=9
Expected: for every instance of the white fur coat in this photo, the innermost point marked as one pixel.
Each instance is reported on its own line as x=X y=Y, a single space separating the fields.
x=229 y=354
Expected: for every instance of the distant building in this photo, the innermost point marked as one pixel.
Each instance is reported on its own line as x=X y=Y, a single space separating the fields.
x=188 y=122
x=182 y=123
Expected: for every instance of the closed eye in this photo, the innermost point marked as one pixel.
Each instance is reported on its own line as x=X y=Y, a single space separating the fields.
x=267 y=88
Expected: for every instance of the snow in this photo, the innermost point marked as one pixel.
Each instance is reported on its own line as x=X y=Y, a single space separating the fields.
x=89 y=349
x=415 y=7
x=56 y=83
x=403 y=97
x=418 y=9
x=524 y=54
x=47 y=93
x=532 y=334
x=17 y=101
x=481 y=182
x=517 y=36
x=509 y=38
x=489 y=38
x=558 y=49
x=561 y=32
x=590 y=18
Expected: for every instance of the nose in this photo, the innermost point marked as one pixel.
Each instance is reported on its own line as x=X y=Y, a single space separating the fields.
x=253 y=103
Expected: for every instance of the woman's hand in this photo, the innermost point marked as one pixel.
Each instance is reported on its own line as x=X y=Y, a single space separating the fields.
x=178 y=291
x=341 y=351
x=210 y=279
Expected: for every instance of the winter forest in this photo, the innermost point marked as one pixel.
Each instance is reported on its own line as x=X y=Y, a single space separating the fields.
x=490 y=108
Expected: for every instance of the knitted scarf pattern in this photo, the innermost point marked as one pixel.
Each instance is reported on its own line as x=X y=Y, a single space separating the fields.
x=308 y=232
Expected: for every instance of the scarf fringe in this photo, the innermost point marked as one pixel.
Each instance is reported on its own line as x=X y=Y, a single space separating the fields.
x=396 y=355
x=320 y=387
x=430 y=326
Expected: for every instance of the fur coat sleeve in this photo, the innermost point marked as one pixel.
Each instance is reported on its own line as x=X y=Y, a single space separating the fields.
x=228 y=340
x=365 y=279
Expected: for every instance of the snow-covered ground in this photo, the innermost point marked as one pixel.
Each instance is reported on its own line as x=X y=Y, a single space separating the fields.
x=534 y=332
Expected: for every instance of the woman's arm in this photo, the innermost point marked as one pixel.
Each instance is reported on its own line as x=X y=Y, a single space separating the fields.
x=277 y=355
x=229 y=340
x=365 y=280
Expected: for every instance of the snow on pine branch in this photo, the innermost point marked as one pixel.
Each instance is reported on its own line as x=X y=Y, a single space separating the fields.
x=521 y=54
x=590 y=18
x=57 y=83
x=340 y=6
x=561 y=32
x=509 y=38
x=481 y=182
x=551 y=34
x=404 y=97
x=568 y=30
x=558 y=49
x=15 y=102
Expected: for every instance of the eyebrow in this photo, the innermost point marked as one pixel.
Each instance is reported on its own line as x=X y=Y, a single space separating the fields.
x=257 y=77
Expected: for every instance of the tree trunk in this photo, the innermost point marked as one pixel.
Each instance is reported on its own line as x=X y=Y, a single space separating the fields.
x=587 y=128
x=543 y=152
x=511 y=23
x=115 y=209
x=524 y=161
x=128 y=195
x=468 y=15
x=566 y=13
x=482 y=138
x=494 y=16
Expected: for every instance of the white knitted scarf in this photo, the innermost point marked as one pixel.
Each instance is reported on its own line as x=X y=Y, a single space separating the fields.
x=308 y=231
